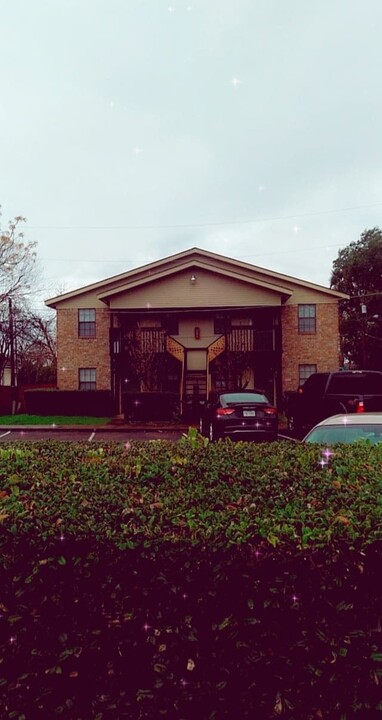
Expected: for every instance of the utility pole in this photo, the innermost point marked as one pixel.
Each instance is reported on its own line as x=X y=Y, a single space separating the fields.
x=363 y=332
x=12 y=356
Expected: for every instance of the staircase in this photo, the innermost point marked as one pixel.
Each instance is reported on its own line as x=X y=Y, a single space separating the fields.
x=196 y=385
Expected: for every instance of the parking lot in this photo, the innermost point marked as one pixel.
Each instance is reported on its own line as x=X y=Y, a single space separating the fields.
x=122 y=435
x=85 y=435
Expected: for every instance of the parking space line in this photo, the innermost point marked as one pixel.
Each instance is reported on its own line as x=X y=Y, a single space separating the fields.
x=91 y=436
x=6 y=433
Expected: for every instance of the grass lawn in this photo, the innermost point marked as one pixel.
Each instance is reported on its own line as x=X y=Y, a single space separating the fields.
x=52 y=420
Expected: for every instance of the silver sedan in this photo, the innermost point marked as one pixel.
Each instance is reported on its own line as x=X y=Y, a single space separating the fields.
x=348 y=429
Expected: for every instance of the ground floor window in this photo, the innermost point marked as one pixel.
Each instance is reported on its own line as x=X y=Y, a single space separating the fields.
x=305 y=371
x=87 y=379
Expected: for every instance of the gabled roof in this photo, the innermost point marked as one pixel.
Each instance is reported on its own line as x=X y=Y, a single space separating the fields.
x=194 y=258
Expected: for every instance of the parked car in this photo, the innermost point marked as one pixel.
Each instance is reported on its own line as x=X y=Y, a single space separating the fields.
x=347 y=429
x=244 y=414
x=324 y=394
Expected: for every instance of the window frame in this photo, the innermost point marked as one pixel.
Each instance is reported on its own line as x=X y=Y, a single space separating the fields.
x=86 y=326
x=307 y=318
x=91 y=384
x=222 y=324
x=301 y=376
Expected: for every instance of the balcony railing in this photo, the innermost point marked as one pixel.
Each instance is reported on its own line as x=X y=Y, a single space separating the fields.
x=249 y=340
x=147 y=340
x=153 y=340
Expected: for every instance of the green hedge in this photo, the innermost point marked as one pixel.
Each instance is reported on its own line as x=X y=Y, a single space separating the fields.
x=96 y=403
x=140 y=406
x=190 y=580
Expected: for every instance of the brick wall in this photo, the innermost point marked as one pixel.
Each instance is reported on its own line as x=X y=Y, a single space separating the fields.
x=74 y=352
x=321 y=349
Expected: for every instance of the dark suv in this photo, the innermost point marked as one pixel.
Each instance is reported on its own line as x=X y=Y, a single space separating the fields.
x=326 y=394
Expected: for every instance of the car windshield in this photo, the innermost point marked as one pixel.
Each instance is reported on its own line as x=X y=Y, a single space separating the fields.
x=243 y=398
x=329 y=435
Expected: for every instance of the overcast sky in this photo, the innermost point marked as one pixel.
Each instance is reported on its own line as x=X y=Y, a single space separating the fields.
x=134 y=129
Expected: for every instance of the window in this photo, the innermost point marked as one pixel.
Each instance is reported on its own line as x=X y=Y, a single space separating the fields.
x=87 y=323
x=307 y=319
x=222 y=324
x=171 y=324
x=305 y=371
x=87 y=379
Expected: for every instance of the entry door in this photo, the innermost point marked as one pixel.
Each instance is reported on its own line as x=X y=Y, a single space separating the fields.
x=196 y=375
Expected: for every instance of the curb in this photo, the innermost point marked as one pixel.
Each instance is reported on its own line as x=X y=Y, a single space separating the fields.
x=93 y=428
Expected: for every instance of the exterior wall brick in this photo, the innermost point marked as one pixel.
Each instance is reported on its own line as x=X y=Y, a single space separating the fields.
x=321 y=349
x=74 y=352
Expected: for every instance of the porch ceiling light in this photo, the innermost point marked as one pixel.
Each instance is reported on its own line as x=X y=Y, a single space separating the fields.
x=193 y=279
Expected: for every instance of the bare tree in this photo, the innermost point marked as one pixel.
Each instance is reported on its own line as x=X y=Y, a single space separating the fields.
x=17 y=260
x=34 y=343
x=36 y=347
x=145 y=347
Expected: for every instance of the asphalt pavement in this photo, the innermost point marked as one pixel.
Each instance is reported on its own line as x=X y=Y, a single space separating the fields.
x=111 y=432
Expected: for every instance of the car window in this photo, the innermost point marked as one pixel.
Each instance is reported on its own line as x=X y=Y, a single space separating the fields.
x=355 y=384
x=345 y=434
x=243 y=398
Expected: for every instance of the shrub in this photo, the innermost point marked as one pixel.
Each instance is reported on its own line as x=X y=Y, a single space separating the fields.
x=96 y=403
x=190 y=579
x=142 y=406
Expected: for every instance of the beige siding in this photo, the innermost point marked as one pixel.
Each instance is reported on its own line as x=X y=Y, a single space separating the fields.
x=187 y=325
x=86 y=300
x=209 y=290
x=308 y=295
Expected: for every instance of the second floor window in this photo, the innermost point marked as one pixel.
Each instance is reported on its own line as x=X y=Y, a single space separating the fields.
x=307 y=319
x=222 y=324
x=87 y=323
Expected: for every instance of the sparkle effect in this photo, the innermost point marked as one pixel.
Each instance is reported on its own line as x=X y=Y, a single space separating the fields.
x=235 y=82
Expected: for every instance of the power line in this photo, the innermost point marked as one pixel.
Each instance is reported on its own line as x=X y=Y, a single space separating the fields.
x=201 y=225
x=238 y=257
